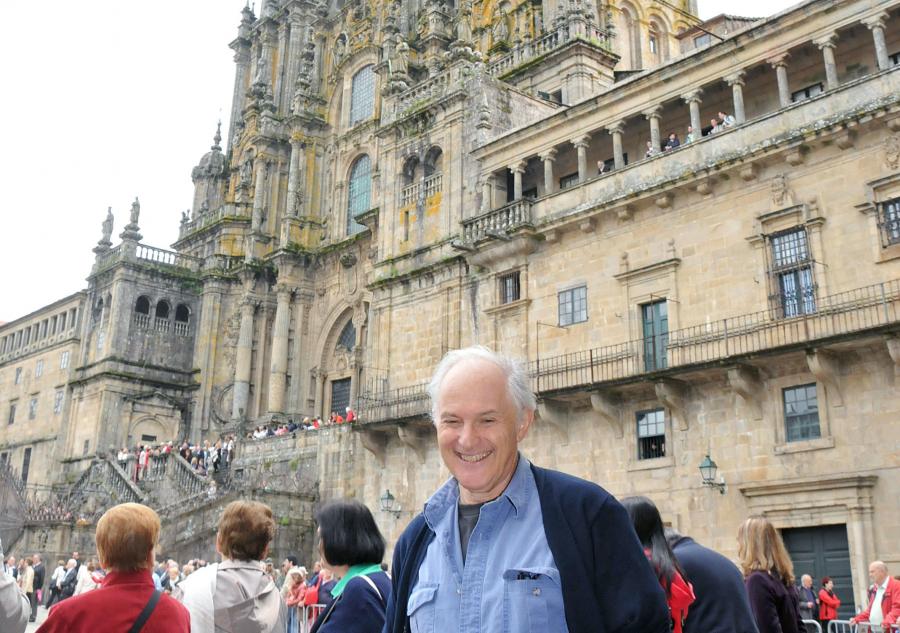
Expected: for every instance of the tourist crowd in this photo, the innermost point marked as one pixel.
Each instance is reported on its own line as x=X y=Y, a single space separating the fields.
x=204 y=458
x=306 y=424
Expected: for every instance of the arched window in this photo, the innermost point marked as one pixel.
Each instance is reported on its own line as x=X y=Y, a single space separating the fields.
x=659 y=39
x=142 y=305
x=433 y=161
x=162 y=310
x=182 y=313
x=362 y=95
x=632 y=39
x=347 y=338
x=359 y=192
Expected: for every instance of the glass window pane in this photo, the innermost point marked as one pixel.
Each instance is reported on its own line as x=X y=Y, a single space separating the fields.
x=362 y=95
x=801 y=413
x=358 y=198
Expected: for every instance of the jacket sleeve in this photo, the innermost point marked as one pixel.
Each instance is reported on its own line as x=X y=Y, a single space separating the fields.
x=893 y=615
x=863 y=616
x=762 y=603
x=824 y=598
x=395 y=611
x=14 y=606
x=628 y=591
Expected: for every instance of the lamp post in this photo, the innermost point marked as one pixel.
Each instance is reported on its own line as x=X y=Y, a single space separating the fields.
x=708 y=469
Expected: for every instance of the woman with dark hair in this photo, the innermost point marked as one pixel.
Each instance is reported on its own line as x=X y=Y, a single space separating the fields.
x=352 y=548
x=769 y=577
x=828 y=603
x=650 y=532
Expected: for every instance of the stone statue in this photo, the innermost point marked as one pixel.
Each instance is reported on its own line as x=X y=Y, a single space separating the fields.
x=781 y=193
x=246 y=172
x=400 y=62
x=135 y=211
x=108 y=226
x=500 y=30
x=463 y=26
x=184 y=218
x=340 y=48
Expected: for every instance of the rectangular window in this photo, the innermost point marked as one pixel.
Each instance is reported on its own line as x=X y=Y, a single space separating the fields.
x=12 y=413
x=509 y=287
x=806 y=93
x=26 y=464
x=556 y=97
x=406 y=226
x=889 y=221
x=18 y=375
x=702 y=40
x=794 y=288
x=4 y=458
x=801 y=413
x=651 y=434
x=101 y=338
x=895 y=59
x=573 y=305
x=568 y=181
x=58 y=399
x=655 y=320
x=654 y=45
x=39 y=369
x=64 y=360
x=32 y=408
x=86 y=448
x=530 y=193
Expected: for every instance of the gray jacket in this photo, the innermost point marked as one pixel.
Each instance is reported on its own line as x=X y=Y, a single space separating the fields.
x=14 y=606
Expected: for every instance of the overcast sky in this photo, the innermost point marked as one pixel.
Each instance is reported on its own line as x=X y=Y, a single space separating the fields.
x=108 y=100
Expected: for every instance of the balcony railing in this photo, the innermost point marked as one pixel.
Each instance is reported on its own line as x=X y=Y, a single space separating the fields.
x=212 y=217
x=396 y=404
x=410 y=193
x=169 y=258
x=565 y=32
x=503 y=220
x=840 y=314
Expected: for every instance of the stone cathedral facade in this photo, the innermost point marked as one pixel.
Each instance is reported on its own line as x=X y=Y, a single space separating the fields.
x=689 y=230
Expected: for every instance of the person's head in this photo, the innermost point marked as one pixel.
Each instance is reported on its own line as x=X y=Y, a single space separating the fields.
x=878 y=572
x=293 y=577
x=28 y=561
x=348 y=534
x=806 y=580
x=127 y=535
x=760 y=548
x=245 y=531
x=317 y=566
x=36 y=558
x=649 y=144
x=672 y=536
x=61 y=563
x=483 y=406
x=187 y=570
x=672 y=136
x=288 y=562
x=722 y=115
x=714 y=122
x=649 y=529
x=690 y=130
x=326 y=574
x=827 y=583
x=173 y=572
x=70 y=564
x=75 y=555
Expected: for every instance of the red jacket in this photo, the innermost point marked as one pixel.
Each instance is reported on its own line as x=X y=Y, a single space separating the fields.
x=115 y=606
x=890 y=603
x=828 y=605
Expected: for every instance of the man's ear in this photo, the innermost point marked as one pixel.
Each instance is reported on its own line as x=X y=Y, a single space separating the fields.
x=524 y=424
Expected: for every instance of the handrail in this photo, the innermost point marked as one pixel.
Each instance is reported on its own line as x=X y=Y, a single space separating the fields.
x=507 y=218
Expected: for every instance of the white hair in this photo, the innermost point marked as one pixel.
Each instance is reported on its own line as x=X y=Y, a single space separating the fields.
x=517 y=381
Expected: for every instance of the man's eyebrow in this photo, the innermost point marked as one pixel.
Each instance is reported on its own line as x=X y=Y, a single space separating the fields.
x=450 y=414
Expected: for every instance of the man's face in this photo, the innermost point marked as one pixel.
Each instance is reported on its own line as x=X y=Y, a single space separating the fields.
x=807 y=582
x=75 y=555
x=877 y=574
x=285 y=565
x=477 y=431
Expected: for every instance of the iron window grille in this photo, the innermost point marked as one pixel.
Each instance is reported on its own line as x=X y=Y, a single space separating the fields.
x=58 y=401
x=362 y=95
x=510 y=289
x=801 y=413
x=794 y=289
x=573 y=305
x=347 y=337
x=651 y=434
x=889 y=222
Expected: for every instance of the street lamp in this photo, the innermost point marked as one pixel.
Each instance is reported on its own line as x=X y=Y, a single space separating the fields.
x=708 y=469
x=387 y=504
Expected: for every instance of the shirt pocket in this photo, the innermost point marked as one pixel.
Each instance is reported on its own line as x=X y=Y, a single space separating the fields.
x=532 y=601
x=420 y=608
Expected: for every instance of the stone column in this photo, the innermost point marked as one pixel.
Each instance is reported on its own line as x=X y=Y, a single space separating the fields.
x=616 y=130
x=549 y=181
x=486 y=202
x=581 y=145
x=259 y=195
x=736 y=81
x=693 y=100
x=241 y=395
x=826 y=45
x=779 y=63
x=875 y=23
x=299 y=389
x=653 y=115
x=295 y=49
x=293 y=205
x=517 y=169
x=278 y=368
x=320 y=394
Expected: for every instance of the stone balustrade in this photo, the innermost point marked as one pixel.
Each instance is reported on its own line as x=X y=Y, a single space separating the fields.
x=395 y=404
x=211 y=217
x=529 y=50
x=514 y=215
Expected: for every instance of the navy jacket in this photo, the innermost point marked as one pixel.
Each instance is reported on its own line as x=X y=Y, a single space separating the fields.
x=721 y=605
x=775 y=607
x=358 y=609
x=607 y=583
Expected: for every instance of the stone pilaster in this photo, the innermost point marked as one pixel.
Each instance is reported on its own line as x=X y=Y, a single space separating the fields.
x=616 y=130
x=653 y=116
x=827 y=45
x=693 y=100
x=548 y=158
x=581 y=146
x=241 y=396
x=278 y=368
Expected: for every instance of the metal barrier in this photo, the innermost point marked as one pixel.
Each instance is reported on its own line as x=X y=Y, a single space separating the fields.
x=307 y=614
x=817 y=628
x=844 y=626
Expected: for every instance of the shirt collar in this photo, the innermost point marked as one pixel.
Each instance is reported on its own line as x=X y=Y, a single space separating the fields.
x=141 y=577
x=883 y=585
x=517 y=493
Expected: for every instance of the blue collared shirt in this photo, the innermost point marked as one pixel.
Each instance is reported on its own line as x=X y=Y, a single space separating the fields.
x=509 y=583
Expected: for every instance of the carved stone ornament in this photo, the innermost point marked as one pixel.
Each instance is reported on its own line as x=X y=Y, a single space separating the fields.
x=781 y=192
x=892 y=151
x=348 y=260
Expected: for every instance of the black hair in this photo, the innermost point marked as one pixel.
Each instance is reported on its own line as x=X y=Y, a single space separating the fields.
x=649 y=528
x=349 y=534
x=293 y=560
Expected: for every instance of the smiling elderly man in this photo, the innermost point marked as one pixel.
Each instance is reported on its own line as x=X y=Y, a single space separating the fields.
x=505 y=545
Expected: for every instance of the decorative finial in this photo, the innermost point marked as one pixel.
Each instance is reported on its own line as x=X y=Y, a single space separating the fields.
x=217 y=139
